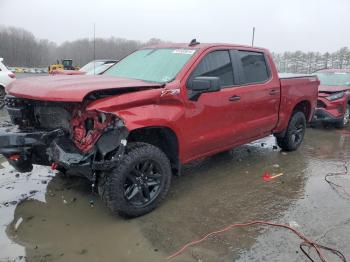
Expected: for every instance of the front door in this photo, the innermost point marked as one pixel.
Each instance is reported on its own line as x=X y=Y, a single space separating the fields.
x=214 y=120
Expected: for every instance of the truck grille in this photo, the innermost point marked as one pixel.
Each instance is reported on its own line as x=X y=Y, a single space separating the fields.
x=28 y=113
x=16 y=109
x=52 y=117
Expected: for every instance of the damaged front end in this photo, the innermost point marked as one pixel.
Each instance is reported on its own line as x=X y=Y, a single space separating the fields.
x=63 y=135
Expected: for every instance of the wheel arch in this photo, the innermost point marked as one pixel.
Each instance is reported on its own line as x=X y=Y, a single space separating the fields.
x=303 y=106
x=162 y=137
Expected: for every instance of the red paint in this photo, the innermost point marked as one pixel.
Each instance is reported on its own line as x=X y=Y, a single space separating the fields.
x=12 y=75
x=85 y=139
x=69 y=88
x=336 y=108
x=333 y=89
x=14 y=157
x=266 y=176
x=295 y=90
x=204 y=127
x=54 y=166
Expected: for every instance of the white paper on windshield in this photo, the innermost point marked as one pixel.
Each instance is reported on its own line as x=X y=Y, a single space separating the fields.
x=184 y=51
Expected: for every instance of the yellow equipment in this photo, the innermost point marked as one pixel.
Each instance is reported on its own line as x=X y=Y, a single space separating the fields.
x=66 y=64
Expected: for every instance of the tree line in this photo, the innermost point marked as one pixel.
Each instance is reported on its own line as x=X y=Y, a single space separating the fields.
x=21 y=48
x=308 y=62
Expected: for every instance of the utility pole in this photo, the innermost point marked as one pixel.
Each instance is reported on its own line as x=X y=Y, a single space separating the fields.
x=253 y=36
x=94 y=46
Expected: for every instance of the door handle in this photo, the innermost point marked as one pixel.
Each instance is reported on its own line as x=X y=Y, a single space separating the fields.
x=273 y=92
x=234 y=98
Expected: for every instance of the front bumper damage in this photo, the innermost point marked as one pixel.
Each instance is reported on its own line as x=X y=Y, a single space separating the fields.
x=329 y=111
x=23 y=149
x=322 y=115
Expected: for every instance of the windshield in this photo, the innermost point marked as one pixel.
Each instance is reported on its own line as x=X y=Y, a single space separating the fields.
x=154 y=65
x=99 y=69
x=334 y=78
x=67 y=62
x=90 y=66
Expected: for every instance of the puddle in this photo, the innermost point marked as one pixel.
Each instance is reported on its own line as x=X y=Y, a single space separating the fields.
x=16 y=188
x=66 y=228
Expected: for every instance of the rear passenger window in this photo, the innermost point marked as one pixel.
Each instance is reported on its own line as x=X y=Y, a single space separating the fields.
x=254 y=68
x=217 y=63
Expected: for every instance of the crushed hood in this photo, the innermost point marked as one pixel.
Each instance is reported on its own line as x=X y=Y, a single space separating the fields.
x=331 y=89
x=71 y=88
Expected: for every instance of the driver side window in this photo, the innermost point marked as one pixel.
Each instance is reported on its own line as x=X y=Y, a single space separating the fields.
x=218 y=64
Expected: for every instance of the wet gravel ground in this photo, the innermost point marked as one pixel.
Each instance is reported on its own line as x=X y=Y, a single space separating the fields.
x=45 y=216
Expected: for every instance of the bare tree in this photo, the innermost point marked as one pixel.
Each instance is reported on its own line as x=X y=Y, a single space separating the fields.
x=306 y=63
x=20 y=48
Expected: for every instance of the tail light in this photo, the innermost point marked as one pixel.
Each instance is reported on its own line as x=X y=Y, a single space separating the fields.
x=12 y=75
x=14 y=157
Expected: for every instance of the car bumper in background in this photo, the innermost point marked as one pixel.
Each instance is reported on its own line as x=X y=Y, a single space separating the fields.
x=324 y=116
x=329 y=111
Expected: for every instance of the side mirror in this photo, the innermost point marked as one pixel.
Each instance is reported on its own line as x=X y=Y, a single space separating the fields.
x=203 y=84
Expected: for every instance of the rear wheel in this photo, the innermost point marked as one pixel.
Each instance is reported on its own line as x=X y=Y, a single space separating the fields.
x=346 y=118
x=294 y=134
x=139 y=183
x=2 y=97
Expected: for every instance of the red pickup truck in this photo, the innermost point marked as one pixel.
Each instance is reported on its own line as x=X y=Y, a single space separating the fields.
x=131 y=128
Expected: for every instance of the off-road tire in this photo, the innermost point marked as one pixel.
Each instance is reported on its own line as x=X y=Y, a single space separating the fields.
x=111 y=184
x=345 y=119
x=296 y=127
x=103 y=177
x=2 y=97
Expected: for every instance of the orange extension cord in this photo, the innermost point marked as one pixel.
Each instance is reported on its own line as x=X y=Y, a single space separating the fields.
x=306 y=242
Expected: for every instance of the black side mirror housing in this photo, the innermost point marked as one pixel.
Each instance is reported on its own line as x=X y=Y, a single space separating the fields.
x=203 y=84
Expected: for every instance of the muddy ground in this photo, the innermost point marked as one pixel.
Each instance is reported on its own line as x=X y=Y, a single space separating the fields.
x=45 y=216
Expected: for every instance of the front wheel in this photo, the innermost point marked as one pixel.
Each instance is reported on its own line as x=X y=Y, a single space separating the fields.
x=346 y=118
x=139 y=183
x=294 y=134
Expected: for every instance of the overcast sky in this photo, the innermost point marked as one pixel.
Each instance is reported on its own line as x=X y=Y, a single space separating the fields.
x=281 y=25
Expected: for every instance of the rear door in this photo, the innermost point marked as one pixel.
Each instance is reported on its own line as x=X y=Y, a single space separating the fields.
x=259 y=93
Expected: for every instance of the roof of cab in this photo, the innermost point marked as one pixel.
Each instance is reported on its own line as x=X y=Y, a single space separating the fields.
x=204 y=46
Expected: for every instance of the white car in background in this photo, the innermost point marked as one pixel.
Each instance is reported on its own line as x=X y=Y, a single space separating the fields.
x=6 y=77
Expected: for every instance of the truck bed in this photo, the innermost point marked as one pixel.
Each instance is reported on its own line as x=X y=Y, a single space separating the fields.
x=293 y=88
x=292 y=75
